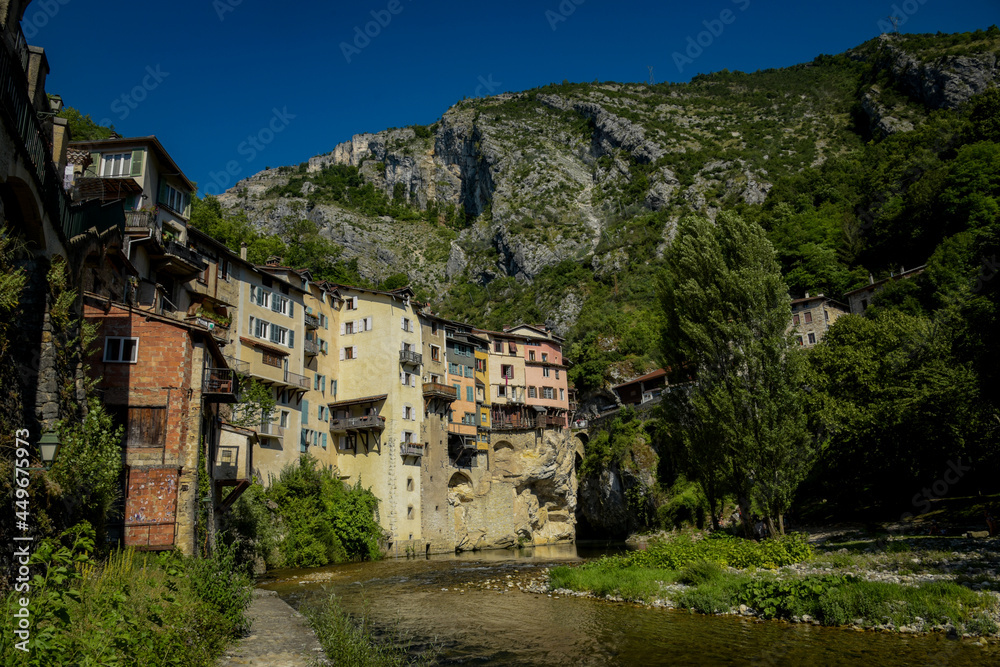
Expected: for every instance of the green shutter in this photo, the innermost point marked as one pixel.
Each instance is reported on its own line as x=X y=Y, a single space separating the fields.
x=137 y=162
x=163 y=193
x=305 y=411
x=95 y=165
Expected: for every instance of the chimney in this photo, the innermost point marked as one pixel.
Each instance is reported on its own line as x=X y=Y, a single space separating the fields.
x=243 y=251
x=807 y=295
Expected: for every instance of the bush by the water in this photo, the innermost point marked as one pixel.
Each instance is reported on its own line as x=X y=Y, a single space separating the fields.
x=355 y=641
x=719 y=548
x=307 y=517
x=132 y=609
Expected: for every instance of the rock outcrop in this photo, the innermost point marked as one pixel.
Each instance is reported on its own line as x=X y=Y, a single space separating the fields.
x=527 y=497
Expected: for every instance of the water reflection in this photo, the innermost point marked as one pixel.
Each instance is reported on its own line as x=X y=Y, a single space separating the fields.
x=440 y=600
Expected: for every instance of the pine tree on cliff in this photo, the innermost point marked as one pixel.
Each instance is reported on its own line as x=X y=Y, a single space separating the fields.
x=742 y=427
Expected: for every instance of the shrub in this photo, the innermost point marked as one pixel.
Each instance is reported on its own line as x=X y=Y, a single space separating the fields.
x=721 y=549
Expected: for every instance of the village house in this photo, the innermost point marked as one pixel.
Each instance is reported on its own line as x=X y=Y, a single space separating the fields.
x=642 y=389
x=858 y=299
x=545 y=375
x=812 y=317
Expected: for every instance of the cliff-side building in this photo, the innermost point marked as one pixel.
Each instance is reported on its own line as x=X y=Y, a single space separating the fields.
x=812 y=317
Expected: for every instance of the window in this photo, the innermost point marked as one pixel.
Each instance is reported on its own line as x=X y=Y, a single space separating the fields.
x=408 y=437
x=116 y=164
x=454 y=369
x=435 y=353
x=557 y=373
x=409 y=511
x=283 y=420
x=121 y=350
x=545 y=357
x=225 y=270
x=799 y=339
x=531 y=355
x=809 y=317
x=795 y=319
x=826 y=315
x=468 y=371
x=501 y=391
x=545 y=372
x=321 y=412
x=405 y=322
x=407 y=379
x=482 y=417
x=498 y=347
x=342 y=443
x=480 y=365
x=512 y=347
x=352 y=303
x=279 y=335
x=532 y=392
x=864 y=303
x=408 y=412
x=409 y=483
x=507 y=371
x=548 y=393
x=350 y=352
x=468 y=394
x=812 y=339
x=279 y=304
x=562 y=394
x=271 y=359
x=173 y=198
x=434 y=328
x=323 y=322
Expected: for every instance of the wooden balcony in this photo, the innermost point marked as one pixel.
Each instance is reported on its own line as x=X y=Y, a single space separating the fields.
x=438 y=390
x=311 y=347
x=219 y=385
x=142 y=222
x=364 y=423
x=312 y=322
x=411 y=449
x=410 y=357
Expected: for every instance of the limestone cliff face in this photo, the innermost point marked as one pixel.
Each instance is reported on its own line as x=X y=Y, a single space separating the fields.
x=527 y=497
x=945 y=82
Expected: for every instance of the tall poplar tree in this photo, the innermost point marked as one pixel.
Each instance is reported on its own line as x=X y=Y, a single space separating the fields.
x=742 y=426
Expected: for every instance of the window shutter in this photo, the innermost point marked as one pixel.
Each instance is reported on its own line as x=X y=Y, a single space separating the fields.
x=402 y=378
x=252 y=321
x=291 y=339
x=343 y=328
x=343 y=352
x=324 y=441
x=162 y=199
x=95 y=165
x=137 y=162
x=354 y=350
x=413 y=380
x=402 y=322
x=368 y=324
x=305 y=411
x=291 y=308
x=333 y=387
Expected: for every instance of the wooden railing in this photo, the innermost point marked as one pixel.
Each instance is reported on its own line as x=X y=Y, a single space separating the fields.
x=440 y=390
x=355 y=423
x=411 y=449
x=410 y=357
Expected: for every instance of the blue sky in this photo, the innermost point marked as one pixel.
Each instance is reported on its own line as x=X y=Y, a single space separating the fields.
x=248 y=83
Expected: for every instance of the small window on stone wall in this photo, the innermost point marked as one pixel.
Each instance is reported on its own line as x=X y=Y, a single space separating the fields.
x=409 y=512
x=409 y=483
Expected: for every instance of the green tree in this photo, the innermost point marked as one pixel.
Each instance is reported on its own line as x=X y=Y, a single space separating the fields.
x=83 y=128
x=727 y=309
x=255 y=406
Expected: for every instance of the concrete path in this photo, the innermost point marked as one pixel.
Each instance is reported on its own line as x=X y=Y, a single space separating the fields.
x=279 y=637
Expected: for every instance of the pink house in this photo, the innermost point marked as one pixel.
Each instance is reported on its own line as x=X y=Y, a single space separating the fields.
x=545 y=374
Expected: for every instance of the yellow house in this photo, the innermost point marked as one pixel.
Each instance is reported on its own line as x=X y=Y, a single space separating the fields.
x=376 y=417
x=483 y=401
x=271 y=333
x=507 y=389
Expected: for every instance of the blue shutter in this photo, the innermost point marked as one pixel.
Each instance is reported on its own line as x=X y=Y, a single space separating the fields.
x=324 y=441
x=468 y=393
x=305 y=411
x=304 y=440
x=291 y=308
x=291 y=338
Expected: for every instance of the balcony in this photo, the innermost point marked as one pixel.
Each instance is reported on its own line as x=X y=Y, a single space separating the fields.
x=241 y=367
x=219 y=385
x=410 y=357
x=181 y=260
x=297 y=380
x=411 y=449
x=513 y=424
x=270 y=430
x=312 y=322
x=142 y=222
x=438 y=390
x=311 y=347
x=551 y=422
x=358 y=423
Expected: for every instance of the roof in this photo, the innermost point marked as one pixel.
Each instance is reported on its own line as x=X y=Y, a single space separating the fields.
x=263 y=346
x=357 y=401
x=819 y=297
x=150 y=140
x=879 y=283
x=501 y=334
x=405 y=292
x=539 y=328
x=658 y=373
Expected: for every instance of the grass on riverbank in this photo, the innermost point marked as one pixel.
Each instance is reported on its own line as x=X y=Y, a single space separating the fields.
x=708 y=586
x=134 y=609
x=356 y=641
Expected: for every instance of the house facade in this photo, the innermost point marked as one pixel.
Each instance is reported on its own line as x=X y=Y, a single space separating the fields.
x=812 y=316
x=545 y=375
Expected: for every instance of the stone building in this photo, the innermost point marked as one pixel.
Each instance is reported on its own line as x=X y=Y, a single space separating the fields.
x=812 y=316
x=164 y=379
x=642 y=389
x=858 y=299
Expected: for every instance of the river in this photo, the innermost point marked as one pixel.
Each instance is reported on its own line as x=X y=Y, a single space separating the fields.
x=443 y=600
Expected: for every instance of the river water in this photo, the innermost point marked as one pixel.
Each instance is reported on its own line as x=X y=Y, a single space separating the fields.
x=442 y=601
